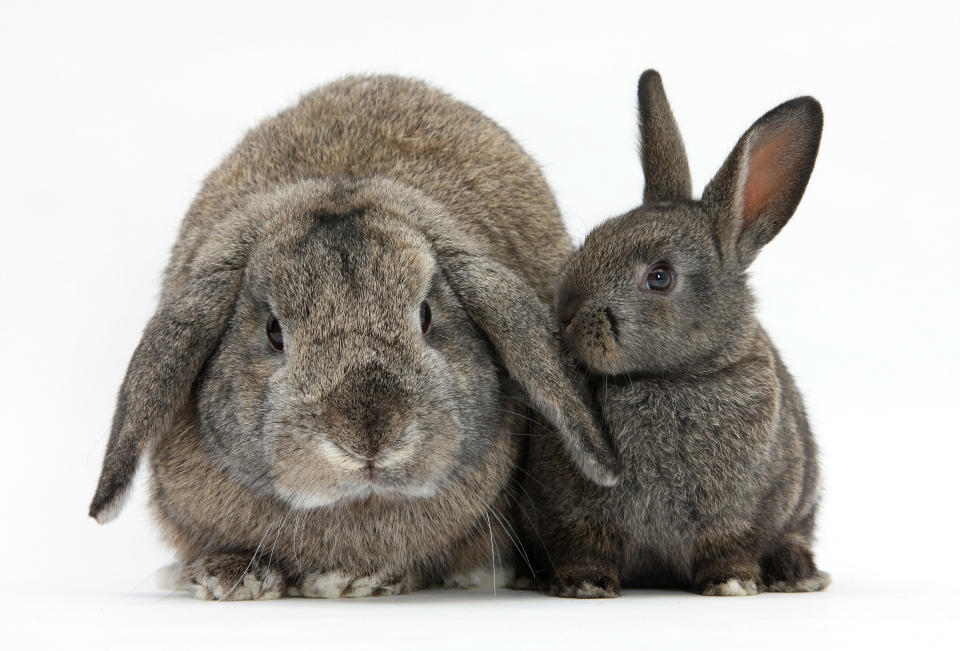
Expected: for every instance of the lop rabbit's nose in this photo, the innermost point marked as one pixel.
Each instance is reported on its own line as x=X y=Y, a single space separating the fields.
x=369 y=461
x=568 y=304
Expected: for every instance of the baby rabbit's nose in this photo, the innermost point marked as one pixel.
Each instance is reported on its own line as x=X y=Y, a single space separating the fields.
x=568 y=304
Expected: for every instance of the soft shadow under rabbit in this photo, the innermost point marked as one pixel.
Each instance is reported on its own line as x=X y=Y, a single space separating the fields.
x=719 y=485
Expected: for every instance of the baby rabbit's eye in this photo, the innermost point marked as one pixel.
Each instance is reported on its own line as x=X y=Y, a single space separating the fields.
x=425 y=316
x=274 y=333
x=660 y=278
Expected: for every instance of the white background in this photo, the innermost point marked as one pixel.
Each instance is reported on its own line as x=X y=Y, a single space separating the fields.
x=111 y=115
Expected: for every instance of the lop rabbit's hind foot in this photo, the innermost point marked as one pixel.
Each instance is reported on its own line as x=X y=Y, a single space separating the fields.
x=338 y=584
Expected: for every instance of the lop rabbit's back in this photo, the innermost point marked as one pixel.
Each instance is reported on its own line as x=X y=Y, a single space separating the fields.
x=405 y=130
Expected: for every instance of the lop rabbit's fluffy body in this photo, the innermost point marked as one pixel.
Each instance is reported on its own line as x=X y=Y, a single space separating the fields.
x=720 y=482
x=351 y=329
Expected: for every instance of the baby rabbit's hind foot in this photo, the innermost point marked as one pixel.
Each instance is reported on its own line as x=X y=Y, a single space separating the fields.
x=791 y=568
x=585 y=583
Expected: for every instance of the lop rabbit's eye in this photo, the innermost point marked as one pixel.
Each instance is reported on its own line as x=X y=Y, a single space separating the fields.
x=274 y=333
x=660 y=278
x=425 y=316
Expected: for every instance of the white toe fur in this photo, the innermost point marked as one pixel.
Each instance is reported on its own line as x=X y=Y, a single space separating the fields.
x=323 y=585
x=209 y=587
x=249 y=589
x=363 y=586
x=334 y=585
x=732 y=588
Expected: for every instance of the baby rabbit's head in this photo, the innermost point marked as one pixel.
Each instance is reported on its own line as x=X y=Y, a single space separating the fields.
x=662 y=289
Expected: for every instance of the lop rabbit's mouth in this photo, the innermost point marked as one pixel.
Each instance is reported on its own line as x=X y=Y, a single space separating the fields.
x=358 y=491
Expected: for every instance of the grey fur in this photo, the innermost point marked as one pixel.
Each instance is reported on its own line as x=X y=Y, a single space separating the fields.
x=364 y=449
x=720 y=482
x=667 y=173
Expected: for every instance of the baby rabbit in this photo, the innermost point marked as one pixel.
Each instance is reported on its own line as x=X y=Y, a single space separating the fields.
x=719 y=485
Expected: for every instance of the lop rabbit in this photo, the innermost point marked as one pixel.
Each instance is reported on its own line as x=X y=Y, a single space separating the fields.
x=352 y=326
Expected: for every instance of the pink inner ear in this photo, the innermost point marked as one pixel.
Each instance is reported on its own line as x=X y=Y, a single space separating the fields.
x=772 y=163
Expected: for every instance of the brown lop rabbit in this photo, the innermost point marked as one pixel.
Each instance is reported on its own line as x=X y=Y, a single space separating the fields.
x=351 y=328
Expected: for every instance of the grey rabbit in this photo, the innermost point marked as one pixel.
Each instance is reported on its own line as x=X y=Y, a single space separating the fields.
x=352 y=335
x=720 y=482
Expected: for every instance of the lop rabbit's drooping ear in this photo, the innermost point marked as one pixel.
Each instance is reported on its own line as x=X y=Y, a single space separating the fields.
x=177 y=341
x=666 y=172
x=518 y=325
x=762 y=181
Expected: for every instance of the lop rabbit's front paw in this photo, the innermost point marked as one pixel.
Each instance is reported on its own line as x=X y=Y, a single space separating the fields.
x=337 y=584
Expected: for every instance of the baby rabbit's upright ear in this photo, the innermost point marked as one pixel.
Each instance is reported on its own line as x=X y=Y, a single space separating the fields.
x=176 y=343
x=520 y=328
x=666 y=173
x=760 y=185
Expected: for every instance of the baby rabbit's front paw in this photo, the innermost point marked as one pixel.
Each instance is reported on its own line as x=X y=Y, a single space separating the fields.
x=337 y=584
x=585 y=583
x=227 y=577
